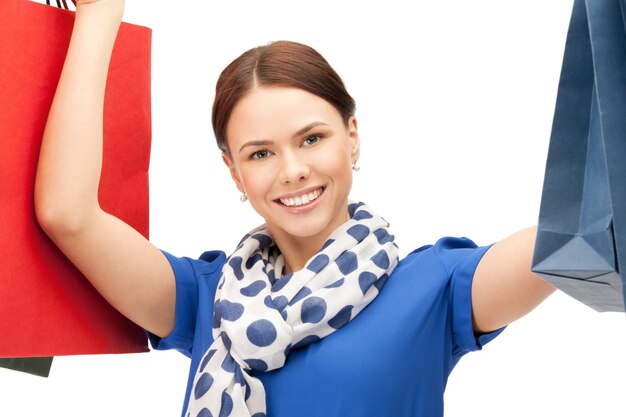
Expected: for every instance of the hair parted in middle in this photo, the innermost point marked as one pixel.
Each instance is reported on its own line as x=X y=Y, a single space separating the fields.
x=280 y=63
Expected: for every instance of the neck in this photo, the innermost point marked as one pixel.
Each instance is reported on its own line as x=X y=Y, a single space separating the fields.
x=297 y=251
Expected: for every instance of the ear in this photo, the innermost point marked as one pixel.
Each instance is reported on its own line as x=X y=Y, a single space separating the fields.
x=233 y=172
x=353 y=137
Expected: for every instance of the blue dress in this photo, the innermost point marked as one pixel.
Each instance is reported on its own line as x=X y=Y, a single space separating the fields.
x=393 y=359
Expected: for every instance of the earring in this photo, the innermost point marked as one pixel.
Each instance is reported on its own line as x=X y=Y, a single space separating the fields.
x=356 y=167
x=243 y=198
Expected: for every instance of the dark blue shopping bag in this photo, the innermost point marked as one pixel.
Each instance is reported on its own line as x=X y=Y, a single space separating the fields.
x=581 y=239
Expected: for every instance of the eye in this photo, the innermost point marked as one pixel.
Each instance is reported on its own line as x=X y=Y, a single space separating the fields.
x=262 y=154
x=311 y=140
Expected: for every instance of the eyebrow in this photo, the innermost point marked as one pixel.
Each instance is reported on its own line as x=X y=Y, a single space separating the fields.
x=269 y=142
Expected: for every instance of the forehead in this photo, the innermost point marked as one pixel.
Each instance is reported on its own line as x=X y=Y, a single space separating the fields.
x=272 y=113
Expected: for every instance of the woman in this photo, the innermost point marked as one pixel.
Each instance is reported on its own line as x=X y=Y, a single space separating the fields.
x=321 y=284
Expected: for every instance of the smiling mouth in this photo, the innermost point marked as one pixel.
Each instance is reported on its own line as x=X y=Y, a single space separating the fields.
x=303 y=199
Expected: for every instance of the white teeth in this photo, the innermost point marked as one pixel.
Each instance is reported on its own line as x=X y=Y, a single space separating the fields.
x=301 y=200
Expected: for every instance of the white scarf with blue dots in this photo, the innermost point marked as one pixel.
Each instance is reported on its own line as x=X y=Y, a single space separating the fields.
x=259 y=316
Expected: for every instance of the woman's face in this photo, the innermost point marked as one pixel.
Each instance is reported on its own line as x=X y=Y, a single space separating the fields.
x=292 y=154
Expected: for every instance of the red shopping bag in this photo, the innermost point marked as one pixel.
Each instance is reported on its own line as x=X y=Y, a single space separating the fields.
x=47 y=307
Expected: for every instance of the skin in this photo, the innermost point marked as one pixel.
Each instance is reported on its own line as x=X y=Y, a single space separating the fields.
x=130 y=273
x=134 y=276
x=275 y=157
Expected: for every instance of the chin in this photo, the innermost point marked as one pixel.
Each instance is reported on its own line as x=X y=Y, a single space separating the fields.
x=317 y=228
x=305 y=229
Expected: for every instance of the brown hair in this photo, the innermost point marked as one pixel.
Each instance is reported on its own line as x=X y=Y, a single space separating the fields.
x=281 y=63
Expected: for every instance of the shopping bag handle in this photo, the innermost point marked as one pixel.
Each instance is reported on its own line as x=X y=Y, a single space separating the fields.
x=61 y=3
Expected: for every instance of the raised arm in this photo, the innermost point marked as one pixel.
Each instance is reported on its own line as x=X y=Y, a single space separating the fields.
x=504 y=289
x=123 y=266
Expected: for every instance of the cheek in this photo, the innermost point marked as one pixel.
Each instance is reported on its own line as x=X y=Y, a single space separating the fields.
x=256 y=180
x=340 y=160
x=336 y=165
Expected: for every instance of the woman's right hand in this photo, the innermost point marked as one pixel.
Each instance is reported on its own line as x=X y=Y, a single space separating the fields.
x=119 y=2
x=111 y=6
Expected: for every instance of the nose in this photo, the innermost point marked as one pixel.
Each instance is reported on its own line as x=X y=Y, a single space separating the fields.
x=294 y=168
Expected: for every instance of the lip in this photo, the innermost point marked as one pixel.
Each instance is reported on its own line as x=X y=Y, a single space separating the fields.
x=301 y=192
x=305 y=207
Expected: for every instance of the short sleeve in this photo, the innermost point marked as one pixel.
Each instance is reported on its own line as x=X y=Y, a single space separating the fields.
x=460 y=257
x=196 y=281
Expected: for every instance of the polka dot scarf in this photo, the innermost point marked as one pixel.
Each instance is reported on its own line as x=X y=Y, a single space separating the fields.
x=259 y=316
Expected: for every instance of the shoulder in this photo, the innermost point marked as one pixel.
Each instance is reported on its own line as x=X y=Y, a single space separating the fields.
x=210 y=262
x=447 y=251
x=196 y=279
x=447 y=259
x=196 y=284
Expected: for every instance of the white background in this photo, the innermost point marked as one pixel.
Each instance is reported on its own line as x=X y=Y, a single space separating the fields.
x=455 y=102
